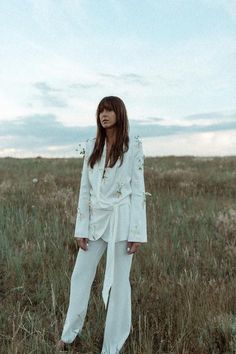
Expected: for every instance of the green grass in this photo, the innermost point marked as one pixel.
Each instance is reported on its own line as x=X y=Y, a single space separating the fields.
x=183 y=280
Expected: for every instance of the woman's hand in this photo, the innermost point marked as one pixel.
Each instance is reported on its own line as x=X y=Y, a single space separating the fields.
x=82 y=242
x=132 y=247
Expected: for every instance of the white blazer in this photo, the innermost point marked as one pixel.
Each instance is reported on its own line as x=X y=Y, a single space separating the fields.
x=125 y=203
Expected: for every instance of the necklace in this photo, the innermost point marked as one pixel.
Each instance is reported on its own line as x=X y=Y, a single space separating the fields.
x=105 y=168
x=107 y=150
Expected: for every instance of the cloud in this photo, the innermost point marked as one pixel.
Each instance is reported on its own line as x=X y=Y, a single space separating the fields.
x=212 y=115
x=82 y=86
x=47 y=96
x=192 y=144
x=127 y=78
x=134 y=78
x=152 y=130
x=147 y=119
x=39 y=131
x=44 y=132
x=45 y=88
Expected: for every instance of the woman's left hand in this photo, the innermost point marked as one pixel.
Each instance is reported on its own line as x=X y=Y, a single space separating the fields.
x=132 y=247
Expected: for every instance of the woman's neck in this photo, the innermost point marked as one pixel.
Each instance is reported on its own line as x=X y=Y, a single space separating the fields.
x=110 y=137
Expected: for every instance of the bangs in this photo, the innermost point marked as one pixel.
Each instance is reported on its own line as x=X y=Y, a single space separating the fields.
x=105 y=105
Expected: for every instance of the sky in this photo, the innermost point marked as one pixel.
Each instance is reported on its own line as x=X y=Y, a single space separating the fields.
x=172 y=62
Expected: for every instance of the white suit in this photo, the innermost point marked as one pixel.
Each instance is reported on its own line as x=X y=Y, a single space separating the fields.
x=111 y=208
x=123 y=206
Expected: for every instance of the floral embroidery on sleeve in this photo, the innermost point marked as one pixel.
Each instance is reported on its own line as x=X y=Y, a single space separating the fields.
x=134 y=231
x=83 y=151
x=138 y=140
x=91 y=207
x=138 y=229
x=81 y=215
x=82 y=219
x=140 y=162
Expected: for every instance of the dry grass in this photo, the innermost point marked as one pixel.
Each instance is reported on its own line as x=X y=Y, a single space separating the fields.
x=183 y=280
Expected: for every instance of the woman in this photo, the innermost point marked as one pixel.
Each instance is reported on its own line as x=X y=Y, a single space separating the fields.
x=111 y=215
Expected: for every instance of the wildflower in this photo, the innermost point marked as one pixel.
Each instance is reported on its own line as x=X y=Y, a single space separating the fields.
x=147 y=193
x=226 y=222
x=144 y=197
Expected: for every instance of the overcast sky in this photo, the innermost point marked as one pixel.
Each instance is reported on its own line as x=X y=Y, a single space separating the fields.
x=171 y=61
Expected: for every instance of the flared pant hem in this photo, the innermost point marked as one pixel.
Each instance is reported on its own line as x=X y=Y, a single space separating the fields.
x=118 y=315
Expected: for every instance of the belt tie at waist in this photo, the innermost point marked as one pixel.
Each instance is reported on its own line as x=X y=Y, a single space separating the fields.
x=110 y=258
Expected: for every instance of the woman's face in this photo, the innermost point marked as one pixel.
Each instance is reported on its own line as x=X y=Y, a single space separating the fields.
x=107 y=118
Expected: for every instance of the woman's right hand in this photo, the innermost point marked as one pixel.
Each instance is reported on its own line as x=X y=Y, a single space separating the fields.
x=82 y=242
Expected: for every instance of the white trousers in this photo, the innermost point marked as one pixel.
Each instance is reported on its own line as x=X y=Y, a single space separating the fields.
x=118 y=315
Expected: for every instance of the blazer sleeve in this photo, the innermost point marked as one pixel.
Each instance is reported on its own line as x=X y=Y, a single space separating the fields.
x=138 y=222
x=82 y=217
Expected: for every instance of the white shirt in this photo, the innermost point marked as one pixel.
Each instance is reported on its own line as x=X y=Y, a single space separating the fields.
x=113 y=207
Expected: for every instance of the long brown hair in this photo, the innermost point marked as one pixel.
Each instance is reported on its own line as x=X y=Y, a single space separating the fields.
x=122 y=131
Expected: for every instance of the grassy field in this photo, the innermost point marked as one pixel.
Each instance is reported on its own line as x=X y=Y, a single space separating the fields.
x=183 y=280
